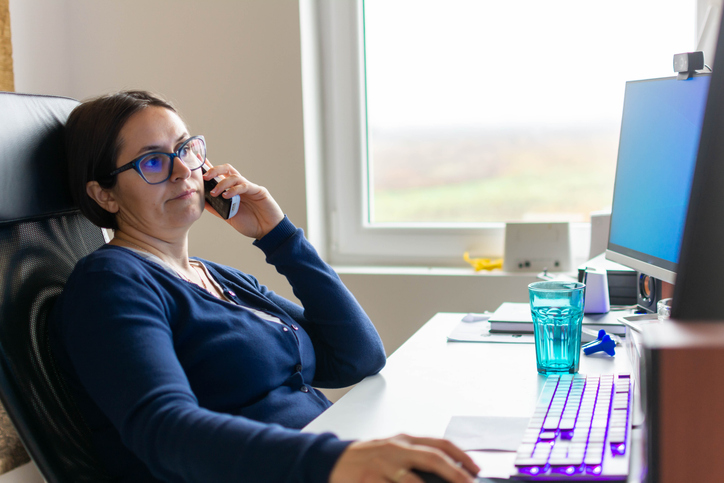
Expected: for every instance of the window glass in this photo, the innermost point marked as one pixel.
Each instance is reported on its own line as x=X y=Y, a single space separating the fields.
x=495 y=111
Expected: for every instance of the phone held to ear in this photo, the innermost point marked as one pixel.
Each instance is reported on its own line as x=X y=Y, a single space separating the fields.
x=227 y=208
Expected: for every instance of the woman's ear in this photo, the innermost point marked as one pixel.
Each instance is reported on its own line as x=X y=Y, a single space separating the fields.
x=104 y=197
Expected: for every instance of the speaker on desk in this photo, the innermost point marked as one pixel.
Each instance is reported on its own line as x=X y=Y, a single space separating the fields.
x=648 y=292
x=683 y=398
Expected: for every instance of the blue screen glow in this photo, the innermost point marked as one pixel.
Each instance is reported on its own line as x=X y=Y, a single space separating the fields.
x=658 y=146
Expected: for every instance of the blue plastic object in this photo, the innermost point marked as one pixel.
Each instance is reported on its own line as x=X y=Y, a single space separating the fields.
x=603 y=343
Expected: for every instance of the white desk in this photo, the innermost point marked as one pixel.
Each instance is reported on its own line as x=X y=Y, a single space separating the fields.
x=428 y=380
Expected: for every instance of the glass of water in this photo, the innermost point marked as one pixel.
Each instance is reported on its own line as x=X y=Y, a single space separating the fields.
x=557 y=309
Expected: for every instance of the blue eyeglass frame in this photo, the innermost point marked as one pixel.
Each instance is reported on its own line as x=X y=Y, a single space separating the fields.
x=177 y=154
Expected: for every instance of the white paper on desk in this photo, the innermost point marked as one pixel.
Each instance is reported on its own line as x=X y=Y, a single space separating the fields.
x=486 y=433
x=493 y=464
x=480 y=332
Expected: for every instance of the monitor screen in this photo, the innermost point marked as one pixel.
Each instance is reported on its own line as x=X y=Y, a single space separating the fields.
x=659 y=140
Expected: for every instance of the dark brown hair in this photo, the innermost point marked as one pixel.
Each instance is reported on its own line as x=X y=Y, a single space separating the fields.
x=92 y=143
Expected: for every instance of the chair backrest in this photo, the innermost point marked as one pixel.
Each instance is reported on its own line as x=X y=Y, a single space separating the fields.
x=42 y=236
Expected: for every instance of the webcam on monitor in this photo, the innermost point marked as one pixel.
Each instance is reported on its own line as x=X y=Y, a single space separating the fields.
x=688 y=63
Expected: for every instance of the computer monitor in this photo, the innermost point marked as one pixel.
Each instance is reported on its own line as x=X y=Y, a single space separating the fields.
x=700 y=281
x=659 y=139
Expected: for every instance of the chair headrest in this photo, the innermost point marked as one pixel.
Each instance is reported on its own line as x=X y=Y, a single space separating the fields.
x=33 y=179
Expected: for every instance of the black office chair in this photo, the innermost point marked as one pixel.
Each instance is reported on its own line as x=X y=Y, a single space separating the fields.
x=42 y=235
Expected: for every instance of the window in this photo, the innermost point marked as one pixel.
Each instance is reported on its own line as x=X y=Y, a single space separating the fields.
x=443 y=119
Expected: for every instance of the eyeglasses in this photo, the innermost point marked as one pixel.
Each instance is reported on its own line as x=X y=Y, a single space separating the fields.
x=155 y=168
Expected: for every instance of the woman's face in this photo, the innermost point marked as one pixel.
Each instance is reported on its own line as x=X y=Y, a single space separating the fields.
x=162 y=210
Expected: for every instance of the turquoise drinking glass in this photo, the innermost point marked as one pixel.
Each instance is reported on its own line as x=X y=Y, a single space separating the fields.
x=557 y=309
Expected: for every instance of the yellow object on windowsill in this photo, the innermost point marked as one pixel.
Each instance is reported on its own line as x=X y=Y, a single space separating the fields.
x=483 y=263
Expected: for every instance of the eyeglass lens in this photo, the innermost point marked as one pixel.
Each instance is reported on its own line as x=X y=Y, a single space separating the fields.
x=157 y=167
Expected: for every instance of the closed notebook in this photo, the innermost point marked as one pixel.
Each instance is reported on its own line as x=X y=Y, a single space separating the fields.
x=516 y=318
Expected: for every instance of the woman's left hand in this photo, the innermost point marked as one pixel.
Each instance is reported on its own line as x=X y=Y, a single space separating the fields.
x=258 y=212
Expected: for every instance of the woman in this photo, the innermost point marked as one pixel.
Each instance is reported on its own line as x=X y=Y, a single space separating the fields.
x=186 y=370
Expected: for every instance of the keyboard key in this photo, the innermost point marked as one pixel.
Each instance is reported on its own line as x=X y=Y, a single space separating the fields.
x=526 y=449
x=599 y=422
x=551 y=423
x=575 y=459
x=593 y=458
x=531 y=461
x=620 y=403
x=623 y=385
x=617 y=435
x=619 y=417
x=542 y=451
x=567 y=424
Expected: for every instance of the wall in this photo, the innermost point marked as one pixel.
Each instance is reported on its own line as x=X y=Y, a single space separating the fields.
x=403 y=295
x=231 y=67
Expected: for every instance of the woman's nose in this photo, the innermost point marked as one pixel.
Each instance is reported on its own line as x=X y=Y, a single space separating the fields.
x=180 y=170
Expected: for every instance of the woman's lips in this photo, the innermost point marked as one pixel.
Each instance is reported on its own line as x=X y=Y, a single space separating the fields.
x=185 y=194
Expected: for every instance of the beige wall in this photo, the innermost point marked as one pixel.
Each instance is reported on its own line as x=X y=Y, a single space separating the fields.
x=232 y=68
x=399 y=303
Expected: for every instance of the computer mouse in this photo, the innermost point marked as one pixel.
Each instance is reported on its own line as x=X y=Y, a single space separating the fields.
x=428 y=477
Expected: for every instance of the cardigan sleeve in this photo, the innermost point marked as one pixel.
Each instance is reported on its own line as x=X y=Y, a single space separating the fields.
x=346 y=344
x=121 y=346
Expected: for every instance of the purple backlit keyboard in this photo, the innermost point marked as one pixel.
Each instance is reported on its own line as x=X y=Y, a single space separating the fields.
x=580 y=430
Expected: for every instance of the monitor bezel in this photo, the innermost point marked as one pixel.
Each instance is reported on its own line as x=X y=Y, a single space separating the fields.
x=642 y=266
x=658 y=268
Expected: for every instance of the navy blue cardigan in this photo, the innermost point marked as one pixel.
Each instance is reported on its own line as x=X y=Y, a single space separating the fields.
x=178 y=385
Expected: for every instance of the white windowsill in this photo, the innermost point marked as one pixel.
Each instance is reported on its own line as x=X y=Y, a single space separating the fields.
x=427 y=271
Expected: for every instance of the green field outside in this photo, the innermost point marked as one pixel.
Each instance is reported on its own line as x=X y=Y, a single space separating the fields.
x=535 y=178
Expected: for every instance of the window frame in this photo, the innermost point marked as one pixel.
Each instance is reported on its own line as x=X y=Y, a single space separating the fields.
x=335 y=27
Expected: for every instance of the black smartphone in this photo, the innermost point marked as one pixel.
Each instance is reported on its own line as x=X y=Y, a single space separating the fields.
x=223 y=206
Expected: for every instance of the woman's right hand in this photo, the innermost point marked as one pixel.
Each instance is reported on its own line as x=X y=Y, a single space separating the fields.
x=258 y=212
x=390 y=461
